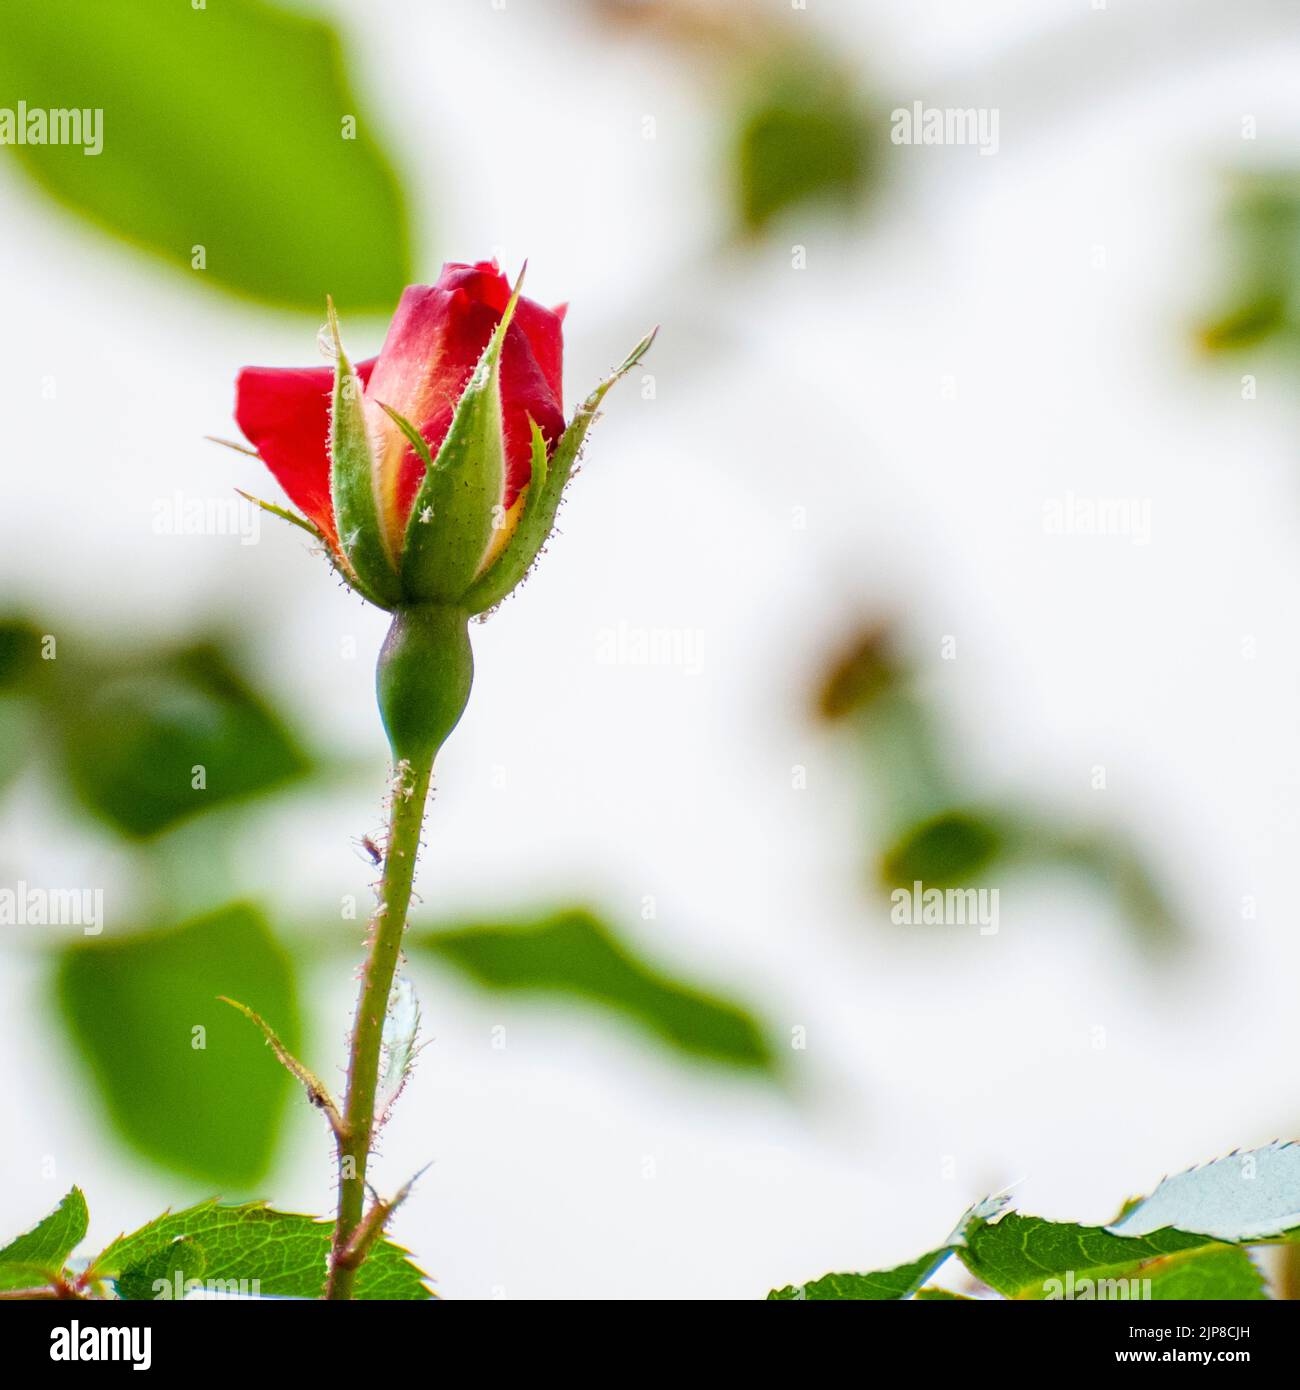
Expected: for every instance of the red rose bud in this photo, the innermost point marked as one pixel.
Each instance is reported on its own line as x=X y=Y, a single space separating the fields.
x=461 y=413
x=433 y=472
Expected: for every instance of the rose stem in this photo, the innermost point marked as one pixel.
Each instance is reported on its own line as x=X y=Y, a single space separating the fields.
x=410 y=789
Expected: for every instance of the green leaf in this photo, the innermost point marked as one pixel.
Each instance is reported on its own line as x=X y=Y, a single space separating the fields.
x=1244 y=1196
x=803 y=138
x=178 y=736
x=20 y=653
x=20 y=685
x=284 y=1254
x=572 y=953
x=457 y=507
x=223 y=128
x=1253 y=320
x=44 y=1250
x=352 y=484
x=1115 y=866
x=907 y=763
x=1263 y=232
x=897 y=1283
x=948 y=850
x=186 y=1081
x=164 y=1272
x=903 y=1281
x=1216 y=1274
x=18 y=731
x=1025 y=1257
x=542 y=502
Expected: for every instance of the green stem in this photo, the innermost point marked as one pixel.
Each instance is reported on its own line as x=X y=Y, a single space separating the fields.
x=410 y=789
x=423 y=681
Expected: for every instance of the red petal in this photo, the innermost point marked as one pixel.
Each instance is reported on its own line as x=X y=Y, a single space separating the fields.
x=284 y=414
x=483 y=282
x=434 y=342
x=526 y=392
x=545 y=333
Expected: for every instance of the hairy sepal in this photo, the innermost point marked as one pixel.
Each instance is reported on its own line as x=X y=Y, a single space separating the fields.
x=537 y=521
x=458 y=505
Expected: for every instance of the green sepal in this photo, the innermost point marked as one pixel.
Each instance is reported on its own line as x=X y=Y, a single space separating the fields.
x=423 y=679
x=544 y=492
x=539 y=464
x=301 y=522
x=352 y=485
x=457 y=507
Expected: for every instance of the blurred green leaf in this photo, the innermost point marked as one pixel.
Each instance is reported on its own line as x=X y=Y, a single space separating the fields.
x=864 y=670
x=223 y=128
x=868 y=684
x=955 y=848
x=20 y=653
x=948 y=850
x=137 y=745
x=184 y=1077
x=22 y=674
x=937 y=834
x=17 y=729
x=803 y=137
x=1246 y=323
x=284 y=1252
x=1116 y=868
x=43 y=1251
x=573 y=953
x=1263 y=245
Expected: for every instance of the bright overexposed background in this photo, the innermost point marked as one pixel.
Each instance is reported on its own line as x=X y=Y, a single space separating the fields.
x=935 y=374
